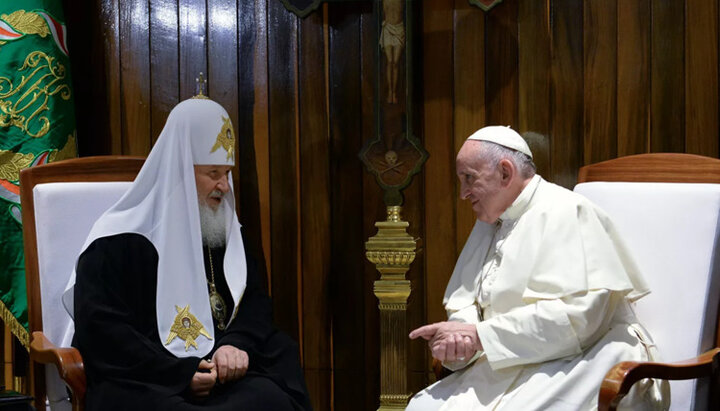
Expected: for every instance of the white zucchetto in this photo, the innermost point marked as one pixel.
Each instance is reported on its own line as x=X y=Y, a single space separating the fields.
x=504 y=136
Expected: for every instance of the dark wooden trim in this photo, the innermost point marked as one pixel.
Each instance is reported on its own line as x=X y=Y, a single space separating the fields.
x=69 y=363
x=655 y=167
x=621 y=377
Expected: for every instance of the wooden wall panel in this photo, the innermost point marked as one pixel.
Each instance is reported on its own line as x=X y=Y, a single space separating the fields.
x=253 y=161
x=110 y=15
x=534 y=79
x=222 y=40
x=413 y=212
x=255 y=111
x=469 y=96
x=192 y=18
x=600 y=85
x=284 y=201
x=87 y=48
x=222 y=66
x=566 y=91
x=439 y=176
x=344 y=47
x=347 y=262
x=440 y=168
x=413 y=206
x=134 y=20
x=373 y=210
x=633 y=77
x=164 y=83
x=416 y=311
x=315 y=187
x=501 y=65
x=667 y=71
x=701 y=83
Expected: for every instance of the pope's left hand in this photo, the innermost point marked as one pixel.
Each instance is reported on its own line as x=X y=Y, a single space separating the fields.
x=232 y=363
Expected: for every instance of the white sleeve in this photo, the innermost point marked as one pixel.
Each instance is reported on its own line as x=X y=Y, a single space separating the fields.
x=468 y=315
x=546 y=329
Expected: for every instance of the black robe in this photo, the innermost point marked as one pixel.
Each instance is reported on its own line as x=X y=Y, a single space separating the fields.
x=126 y=364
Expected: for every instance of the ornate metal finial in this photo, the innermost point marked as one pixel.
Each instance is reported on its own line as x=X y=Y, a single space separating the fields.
x=393 y=213
x=200 y=84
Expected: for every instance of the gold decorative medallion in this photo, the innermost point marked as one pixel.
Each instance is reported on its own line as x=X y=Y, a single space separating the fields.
x=187 y=328
x=226 y=138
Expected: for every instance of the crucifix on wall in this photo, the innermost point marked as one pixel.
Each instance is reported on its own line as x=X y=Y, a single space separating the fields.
x=394 y=155
x=392 y=41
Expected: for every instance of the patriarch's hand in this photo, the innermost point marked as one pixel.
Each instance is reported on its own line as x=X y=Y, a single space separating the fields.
x=232 y=363
x=204 y=379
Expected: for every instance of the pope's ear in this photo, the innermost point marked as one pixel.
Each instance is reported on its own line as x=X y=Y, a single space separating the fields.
x=507 y=171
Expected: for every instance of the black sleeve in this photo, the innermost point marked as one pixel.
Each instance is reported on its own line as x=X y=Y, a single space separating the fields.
x=252 y=325
x=115 y=315
x=272 y=353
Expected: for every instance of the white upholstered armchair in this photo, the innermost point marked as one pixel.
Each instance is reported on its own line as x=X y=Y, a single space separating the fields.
x=60 y=203
x=667 y=208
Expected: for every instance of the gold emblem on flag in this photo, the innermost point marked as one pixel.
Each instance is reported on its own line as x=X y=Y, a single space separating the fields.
x=11 y=162
x=187 y=328
x=225 y=139
x=32 y=93
x=27 y=22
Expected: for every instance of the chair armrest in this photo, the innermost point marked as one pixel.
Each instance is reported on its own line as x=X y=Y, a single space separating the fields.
x=67 y=360
x=622 y=376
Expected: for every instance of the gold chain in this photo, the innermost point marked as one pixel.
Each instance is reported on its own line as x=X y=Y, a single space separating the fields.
x=212 y=272
x=217 y=313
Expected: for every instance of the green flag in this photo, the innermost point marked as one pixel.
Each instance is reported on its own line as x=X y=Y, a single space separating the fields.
x=37 y=126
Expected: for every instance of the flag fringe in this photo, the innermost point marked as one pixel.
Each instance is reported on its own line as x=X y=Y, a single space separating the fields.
x=15 y=327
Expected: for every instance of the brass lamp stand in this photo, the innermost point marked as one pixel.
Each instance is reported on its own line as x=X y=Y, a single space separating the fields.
x=392 y=250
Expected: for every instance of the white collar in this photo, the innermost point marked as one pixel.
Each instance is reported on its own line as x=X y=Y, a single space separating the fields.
x=521 y=203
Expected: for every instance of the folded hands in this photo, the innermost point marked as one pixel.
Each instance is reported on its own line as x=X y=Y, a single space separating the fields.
x=450 y=340
x=227 y=364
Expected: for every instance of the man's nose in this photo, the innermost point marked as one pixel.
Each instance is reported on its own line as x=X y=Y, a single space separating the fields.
x=464 y=192
x=223 y=185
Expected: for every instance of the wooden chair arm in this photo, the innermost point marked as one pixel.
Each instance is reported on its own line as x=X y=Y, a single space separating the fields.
x=67 y=360
x=622 y=376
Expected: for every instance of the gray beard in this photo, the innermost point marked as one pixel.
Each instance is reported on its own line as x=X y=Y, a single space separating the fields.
x=212 y=226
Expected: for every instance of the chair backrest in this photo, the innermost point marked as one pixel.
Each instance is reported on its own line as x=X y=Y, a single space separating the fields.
x=667 y=209
x=60 y=203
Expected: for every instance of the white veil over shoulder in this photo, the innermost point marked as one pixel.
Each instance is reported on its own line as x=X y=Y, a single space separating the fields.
x=162 y=205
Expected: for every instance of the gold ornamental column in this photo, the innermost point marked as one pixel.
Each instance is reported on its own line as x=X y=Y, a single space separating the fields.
x=392 y=250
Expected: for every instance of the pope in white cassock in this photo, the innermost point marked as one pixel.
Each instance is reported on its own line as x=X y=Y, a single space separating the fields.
x=539 y=302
